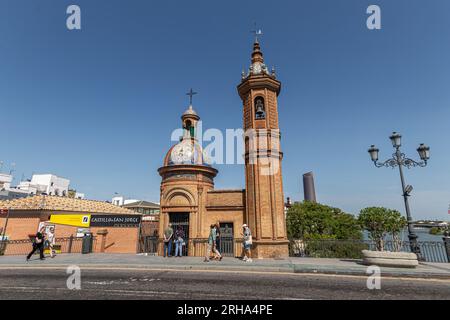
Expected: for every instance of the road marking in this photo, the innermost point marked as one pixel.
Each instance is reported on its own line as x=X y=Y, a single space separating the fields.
x=122 y=292
x=282 y=273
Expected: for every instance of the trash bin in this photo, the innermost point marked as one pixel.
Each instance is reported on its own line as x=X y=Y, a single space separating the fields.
x=87 y=243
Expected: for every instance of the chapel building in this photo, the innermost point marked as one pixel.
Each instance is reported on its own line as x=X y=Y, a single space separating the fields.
x=188 y=197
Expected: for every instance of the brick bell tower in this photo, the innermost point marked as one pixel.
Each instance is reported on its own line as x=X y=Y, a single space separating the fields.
x=264 y=214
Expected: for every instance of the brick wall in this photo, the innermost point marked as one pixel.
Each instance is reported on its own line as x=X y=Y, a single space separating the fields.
x=225 y=198
x=118 y=240
x=20 y=228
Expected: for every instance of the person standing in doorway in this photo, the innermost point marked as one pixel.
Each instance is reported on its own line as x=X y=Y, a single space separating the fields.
x=179 y=242
x=248 y=241
x=168 y=237
x=38 y=244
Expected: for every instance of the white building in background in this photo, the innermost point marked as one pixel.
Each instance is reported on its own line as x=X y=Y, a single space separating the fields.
x=8 y=192
x=79 y=195
x=5 y=181
x=46 y=183
x=121 y=201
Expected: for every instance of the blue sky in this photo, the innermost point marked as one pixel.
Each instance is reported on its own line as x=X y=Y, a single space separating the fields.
x=98 y=105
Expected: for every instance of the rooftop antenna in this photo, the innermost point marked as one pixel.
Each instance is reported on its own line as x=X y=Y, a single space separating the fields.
x=11 y=169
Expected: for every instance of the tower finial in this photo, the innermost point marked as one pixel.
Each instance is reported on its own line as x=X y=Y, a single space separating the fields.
x=257 y=32
x=191 y=93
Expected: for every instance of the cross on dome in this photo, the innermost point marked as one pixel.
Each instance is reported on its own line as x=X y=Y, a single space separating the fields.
x=191 y=93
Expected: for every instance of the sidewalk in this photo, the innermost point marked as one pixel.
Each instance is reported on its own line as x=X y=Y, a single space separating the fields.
x=290 y=265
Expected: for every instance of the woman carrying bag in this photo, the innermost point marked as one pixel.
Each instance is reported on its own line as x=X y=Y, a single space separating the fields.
x=248 y=241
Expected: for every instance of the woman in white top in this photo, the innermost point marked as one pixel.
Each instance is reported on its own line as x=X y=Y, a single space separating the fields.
x=248 y=241
x=51 y=240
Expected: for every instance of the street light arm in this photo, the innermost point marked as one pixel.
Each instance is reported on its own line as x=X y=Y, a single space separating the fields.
x=392 y=162
x=402 y=160
x=406 y=162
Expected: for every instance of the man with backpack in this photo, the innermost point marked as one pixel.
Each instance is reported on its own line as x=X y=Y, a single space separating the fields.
x=38 y=244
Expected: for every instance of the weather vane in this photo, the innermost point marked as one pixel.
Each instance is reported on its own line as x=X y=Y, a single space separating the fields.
x=191 y=93
x=257 y=32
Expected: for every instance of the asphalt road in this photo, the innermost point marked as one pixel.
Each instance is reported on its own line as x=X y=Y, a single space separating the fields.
x=147 y=284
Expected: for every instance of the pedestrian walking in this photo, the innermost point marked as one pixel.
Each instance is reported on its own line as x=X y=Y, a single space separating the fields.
x=38 y=244
x=218 y=236
x=168 y=238
x=248 y=241
x=212 y=245
x=179 y=242
x=50 y=240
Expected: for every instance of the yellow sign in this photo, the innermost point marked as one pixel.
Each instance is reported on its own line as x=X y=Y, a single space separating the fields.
x=75 y=220
x=47 y=251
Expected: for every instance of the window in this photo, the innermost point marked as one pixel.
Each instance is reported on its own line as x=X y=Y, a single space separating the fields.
x=260 y=110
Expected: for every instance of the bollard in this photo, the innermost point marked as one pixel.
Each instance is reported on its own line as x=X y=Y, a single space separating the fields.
x=3 y=244
x=70 y=244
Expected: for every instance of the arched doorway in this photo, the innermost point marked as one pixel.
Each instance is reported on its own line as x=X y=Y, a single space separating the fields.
x=180 y=220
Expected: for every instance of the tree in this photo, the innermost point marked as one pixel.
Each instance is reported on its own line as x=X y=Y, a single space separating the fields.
x=72 y=193
x=379 y=222
x=310 y=220
x=395 y=224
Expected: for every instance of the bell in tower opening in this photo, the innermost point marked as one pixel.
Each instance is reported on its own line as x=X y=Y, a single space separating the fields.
x=190 y=130
x=260 y=110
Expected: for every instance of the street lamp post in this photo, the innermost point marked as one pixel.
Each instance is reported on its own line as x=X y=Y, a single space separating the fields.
x=400 y=160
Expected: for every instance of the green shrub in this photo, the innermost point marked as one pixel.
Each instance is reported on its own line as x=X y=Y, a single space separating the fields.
x=334 y=249
x=310 y=220
x=436 y=231
x=379 y=222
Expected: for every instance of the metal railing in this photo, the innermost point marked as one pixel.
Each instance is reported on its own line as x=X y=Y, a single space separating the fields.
x=148 y=244
x=431 y=251
x=227 y=246
x=194 y=247
x=63 y=245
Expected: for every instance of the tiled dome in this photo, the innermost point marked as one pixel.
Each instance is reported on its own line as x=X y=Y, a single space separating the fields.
x=195 y=156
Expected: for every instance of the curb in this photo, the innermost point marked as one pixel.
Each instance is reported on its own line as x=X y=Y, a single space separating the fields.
x=391 y=274
x=295 y=269
x=160 y=267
